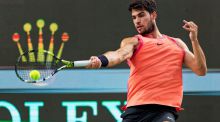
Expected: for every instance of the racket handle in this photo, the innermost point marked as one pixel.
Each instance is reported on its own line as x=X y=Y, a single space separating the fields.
x=82 y=63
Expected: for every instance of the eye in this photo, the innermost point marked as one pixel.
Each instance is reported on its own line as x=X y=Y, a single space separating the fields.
x=141 y=15
x=133 y=17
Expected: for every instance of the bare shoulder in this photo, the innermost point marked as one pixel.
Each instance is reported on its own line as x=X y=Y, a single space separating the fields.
x=129 y=41
x=181 y=43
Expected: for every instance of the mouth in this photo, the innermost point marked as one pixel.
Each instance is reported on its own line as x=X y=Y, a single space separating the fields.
x=139 y=28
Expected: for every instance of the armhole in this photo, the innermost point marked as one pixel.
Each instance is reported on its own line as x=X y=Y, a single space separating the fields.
x=174 y=40
x=137 y=48
x=139 y=45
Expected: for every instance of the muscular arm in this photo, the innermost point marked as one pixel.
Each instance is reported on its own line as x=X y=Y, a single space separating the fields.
x=116 y=57
x=124 y=52
x=196 y=60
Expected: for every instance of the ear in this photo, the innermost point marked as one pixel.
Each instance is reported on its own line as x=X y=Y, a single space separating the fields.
x=154 y=15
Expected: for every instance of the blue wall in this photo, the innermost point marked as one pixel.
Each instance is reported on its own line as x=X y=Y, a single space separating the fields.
x=111 y=81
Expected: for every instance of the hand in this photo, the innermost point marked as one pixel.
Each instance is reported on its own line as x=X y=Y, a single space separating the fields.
x=192 y=28
x=95 y=63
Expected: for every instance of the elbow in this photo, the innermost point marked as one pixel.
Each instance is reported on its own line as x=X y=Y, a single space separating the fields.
x=202 y=71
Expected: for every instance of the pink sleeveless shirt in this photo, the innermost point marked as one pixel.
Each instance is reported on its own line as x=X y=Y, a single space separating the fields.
x=156 y=73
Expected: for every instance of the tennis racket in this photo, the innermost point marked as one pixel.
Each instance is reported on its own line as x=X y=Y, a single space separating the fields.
x=46 y=69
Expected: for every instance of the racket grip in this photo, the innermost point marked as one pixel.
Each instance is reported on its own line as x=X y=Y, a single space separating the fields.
x=82 y=63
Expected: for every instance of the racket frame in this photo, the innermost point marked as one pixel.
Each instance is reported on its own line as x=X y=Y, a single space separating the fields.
x=67 y=64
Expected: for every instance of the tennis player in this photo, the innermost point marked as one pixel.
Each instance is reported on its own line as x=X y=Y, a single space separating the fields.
x=155 y=87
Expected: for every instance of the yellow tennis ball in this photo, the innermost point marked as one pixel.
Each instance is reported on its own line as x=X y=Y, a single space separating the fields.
x=34 y=74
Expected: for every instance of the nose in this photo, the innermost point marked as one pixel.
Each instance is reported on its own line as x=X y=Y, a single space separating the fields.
x=137 y=21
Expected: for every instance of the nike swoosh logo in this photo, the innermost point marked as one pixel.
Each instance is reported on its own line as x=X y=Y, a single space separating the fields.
x=159 y=44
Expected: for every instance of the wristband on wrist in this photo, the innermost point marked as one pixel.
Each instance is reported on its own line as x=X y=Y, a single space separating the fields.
x=104 y=60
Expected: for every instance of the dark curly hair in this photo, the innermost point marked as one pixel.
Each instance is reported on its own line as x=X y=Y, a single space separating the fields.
x=148 y=5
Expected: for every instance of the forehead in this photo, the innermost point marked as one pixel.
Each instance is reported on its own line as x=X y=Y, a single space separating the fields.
x=135 y=12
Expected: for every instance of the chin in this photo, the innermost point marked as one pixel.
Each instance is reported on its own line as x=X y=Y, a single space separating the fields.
x=139 y=32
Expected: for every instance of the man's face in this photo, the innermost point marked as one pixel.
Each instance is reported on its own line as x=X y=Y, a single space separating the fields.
x=143 y=21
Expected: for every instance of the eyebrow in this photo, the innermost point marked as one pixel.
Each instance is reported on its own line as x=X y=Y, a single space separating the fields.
x=138 y=14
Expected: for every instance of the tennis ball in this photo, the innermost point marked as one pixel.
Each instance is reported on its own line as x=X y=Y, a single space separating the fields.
x=34 y=74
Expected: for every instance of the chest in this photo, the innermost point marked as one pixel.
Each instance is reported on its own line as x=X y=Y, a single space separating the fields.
x=160 y=47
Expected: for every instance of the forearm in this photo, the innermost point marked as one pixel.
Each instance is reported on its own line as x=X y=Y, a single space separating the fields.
x=112 y=58
x=116 y=57
x=200 y=59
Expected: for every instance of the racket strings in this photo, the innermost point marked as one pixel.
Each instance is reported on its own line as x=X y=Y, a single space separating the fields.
x=45 y=68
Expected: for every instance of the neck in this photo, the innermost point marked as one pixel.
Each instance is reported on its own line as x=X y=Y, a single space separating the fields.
x=155 y=34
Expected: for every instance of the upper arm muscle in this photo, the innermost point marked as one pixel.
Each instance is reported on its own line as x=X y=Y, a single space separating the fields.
x=189 y=56
x=124 y=52
x=127 y=47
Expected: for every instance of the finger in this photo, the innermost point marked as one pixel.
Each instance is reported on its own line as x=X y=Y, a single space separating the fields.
x=194 y=25
x=187 y=28
x=98 y=63
x=189 y=23
x=184 y=21
x=95 y=63
x=91 y=62
x=92 y=57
